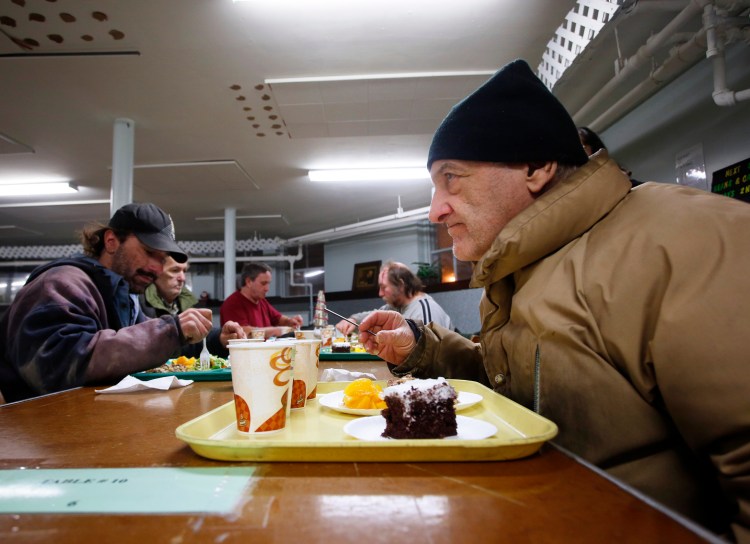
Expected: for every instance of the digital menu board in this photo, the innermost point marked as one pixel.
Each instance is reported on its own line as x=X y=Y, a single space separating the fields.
x=733 y=181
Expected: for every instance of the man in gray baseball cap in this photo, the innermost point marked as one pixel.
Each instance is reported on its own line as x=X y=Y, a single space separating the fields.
x=77 y=321
x=151 y=225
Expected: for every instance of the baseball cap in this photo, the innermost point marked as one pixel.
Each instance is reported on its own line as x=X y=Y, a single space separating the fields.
x=151 y=225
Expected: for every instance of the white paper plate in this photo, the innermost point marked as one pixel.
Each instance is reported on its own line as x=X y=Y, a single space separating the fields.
x=371 y=428
x=467 y=399
x=335 y=401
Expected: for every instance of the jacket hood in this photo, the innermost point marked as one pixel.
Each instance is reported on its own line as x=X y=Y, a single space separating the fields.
x=554 y=220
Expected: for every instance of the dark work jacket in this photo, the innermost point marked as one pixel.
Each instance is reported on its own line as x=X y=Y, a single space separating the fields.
x=69 y=326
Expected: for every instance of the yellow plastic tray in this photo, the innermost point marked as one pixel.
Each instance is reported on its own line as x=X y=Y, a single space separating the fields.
x=316 y=434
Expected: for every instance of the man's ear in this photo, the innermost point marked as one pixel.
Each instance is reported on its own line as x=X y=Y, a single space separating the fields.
x=539 y=176
x=111 y=242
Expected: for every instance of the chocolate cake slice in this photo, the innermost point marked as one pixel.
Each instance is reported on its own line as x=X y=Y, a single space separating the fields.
x=420 y=409
x=341 y=347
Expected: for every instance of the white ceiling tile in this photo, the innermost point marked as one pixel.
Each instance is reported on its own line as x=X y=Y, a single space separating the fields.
x=391 y=89
x=312 y=130
x=171 y=179
x=303 y=113
x=343 y=91
x=349 y=111
x=10 y=146
x=392 y=109
x=296 y=93
x=349 y=130
x=454 y=87
x=423 y=126
x=431 y=109
x=388 y=128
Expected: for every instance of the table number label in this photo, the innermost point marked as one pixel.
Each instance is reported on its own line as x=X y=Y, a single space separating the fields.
x=123 y=490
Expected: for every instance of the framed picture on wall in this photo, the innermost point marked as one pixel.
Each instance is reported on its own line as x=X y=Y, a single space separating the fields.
x=366 y=276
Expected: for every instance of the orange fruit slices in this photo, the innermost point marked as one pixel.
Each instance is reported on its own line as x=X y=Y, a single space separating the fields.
x=363 y=394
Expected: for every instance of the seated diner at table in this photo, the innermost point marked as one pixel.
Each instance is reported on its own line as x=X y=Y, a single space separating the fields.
x=249 y=307
x=615 y=312
x=77 y=321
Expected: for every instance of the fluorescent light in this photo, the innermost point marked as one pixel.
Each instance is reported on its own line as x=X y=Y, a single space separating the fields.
x=368 y=174
x=54 y=203
x=367 y=77
x=313 y=273
x=46 y=188
x=267 y=216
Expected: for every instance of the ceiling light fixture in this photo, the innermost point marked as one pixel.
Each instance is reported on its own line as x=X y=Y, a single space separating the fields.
x=45 y=188
x=366 y=77
x=368 y=174
x=266 y=216
x=55 y=203
x=213 y=162
x=313 y=273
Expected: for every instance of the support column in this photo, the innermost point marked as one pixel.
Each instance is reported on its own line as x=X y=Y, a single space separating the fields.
x=230 y=252
x=122 y=164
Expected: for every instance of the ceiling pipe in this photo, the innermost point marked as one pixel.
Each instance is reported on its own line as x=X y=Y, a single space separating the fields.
x=715 y=52
x=291 y=259
x=308 y=286
x=362 y=227
x=641 y=57
x=252 y=258
x=679 y=60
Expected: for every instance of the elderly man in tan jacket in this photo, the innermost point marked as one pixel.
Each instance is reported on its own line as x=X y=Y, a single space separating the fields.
x=619 y=314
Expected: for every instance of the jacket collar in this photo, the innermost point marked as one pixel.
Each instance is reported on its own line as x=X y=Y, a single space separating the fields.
x=558 y=216
x=184 y=300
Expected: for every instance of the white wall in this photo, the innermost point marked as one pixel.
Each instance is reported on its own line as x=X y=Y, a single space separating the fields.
x=407 y=245
x=462 y=306
x=203 y=282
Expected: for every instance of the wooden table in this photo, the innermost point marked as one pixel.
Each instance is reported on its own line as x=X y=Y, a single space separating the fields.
x=548 y=497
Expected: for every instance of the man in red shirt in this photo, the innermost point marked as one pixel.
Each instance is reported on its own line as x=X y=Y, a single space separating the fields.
x=248 y=305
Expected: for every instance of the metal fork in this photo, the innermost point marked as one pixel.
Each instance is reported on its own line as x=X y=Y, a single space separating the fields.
x=349 y=321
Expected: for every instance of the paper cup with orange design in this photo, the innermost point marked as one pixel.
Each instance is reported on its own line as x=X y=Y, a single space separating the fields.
x=298 y=394
x=306 y=364
x=304 y=335
x=326 y=335
x=261 y=378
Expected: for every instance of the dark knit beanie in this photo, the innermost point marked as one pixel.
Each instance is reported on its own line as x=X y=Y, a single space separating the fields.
x=512 y=118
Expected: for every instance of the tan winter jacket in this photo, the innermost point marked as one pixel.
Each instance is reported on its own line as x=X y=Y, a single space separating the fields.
x=622 y=316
